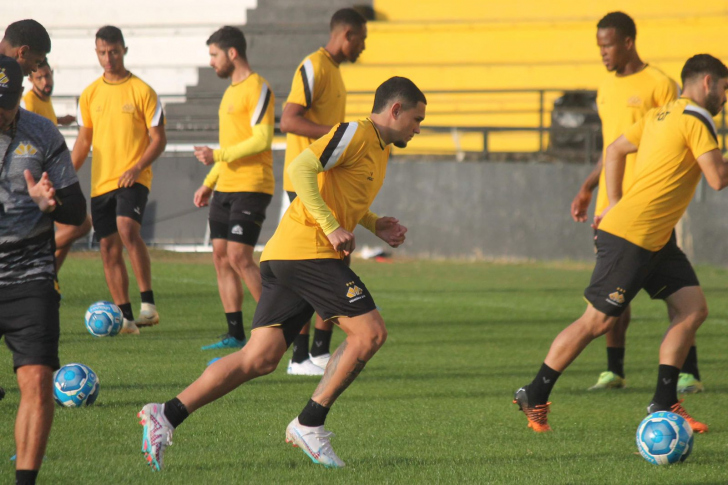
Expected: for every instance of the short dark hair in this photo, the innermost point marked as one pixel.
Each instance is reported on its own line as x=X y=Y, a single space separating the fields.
x=227 y=37
x=397 y=88
x=110 y=35
x=621 y=22
x=348 y=17
x=28 y=32
x=702 y=64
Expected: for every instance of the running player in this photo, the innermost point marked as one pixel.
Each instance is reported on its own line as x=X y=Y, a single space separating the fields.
x=336 y=180
x=636 y=245
x=243 y=172
x=123 y=119
x=316 y=103
x=37 y=187
x=38 y=100
x=624 y=97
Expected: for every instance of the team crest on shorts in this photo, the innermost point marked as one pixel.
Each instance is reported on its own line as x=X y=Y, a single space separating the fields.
x=616 y=298
x=354 y=292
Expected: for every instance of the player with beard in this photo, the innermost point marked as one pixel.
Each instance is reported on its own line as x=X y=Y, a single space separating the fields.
x=38 y=100
x=336 y=179
x=242 y=177
x=676 y=145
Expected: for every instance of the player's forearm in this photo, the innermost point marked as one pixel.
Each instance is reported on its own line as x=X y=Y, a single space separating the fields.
x=303 y=172
x=298 y=125
x=614 y=173
x=369 y=220
x=80 y=153
x=261 y=140
x=592 y=180
x=154 y=150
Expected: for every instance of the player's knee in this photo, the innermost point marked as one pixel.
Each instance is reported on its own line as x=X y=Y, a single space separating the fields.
x=240 y=258
x=263 y=365
x=220 y=260
x=698 y=316
x=373 y=338
x=600 y=326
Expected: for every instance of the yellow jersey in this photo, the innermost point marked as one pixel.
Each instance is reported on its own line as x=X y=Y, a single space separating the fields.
x=245 y=105
x=44 y=107
x=666 y=173
x=318 y=87
x=120 y=114
x=354 y=160
x=621 y=101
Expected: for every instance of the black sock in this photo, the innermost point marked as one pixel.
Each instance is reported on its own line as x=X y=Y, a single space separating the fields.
x=314 y=414
x=126 y=310
x=615 y=360
x=666 y=391
x=148 y=297
x=540 y=389
x=175 y=412
x=321 y=342
x=25 y=477
x=300 y=348
x=691 y=363
x=235 y=325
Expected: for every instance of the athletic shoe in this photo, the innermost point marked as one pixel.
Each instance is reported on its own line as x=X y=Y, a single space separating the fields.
x=148 y=316
x=320 y=360
x=227 y=342
x=314 y=441
x=305 y=368
x=677 y=408
x=608 y=380
x=537 y=415
x=157 y=434
x=129 y=326
x=688 y=384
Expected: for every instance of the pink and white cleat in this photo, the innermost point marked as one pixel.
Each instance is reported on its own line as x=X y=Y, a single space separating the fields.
x=157 y=434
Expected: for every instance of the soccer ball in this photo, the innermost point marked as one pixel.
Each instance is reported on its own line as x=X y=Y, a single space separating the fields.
x=103 y=319
x=75 y=385
x=664 y=438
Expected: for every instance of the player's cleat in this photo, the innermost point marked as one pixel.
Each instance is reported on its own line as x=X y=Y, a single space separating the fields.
x=129 y=326
x=157 y=434
x=305 y=368
x=537 y=415
x=677 y=408
x=688 y=384
x=148 y=316
x=320 y=360
x=314 y=441
x=227 y=342
x=608 y=380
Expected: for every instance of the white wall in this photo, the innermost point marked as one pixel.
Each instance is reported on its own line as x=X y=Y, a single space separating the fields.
x=166 y=38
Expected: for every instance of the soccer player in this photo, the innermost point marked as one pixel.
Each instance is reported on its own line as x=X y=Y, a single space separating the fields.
x=636 y=245
x=122 y=118
x=336 y=179
x=38 y=100
x=28 y=42
x=316 y=103
x=37 y=187
x=243 y=172
x=632 y=88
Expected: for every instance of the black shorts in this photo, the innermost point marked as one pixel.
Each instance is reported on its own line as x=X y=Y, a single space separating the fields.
x=238 y=216
x=126 y=201
x=294 y=290
x=623 y=269
x=291 y=195
x=30 y=323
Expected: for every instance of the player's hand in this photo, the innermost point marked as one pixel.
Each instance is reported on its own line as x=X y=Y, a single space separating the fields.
x=389 y=230
x=342 y=240
x=580 y=205
x=42 y=192
x=66 y=120
x=204 y=155
x=129 y=177
x=202 y=196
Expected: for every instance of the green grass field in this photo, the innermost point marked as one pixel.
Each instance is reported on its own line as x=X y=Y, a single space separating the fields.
x=433 y=406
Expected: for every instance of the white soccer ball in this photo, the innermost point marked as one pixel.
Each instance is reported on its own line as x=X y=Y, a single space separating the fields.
x=103 y=319
x=664 y=438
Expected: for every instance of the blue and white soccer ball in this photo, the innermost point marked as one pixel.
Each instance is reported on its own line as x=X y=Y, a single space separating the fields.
x=75 y=385
x=103 y=319
x=664 y=438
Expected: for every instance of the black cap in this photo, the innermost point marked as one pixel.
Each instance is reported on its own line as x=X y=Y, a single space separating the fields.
x=11 y=82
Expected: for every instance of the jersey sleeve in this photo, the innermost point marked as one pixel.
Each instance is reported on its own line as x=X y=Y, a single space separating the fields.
x=700 y=135
x=665 y=92
x=339 y=146
x=58 y=161
x=303 y=87
x=84 y=111
x=634 y=132
x=262 y=106
x=153 y=111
